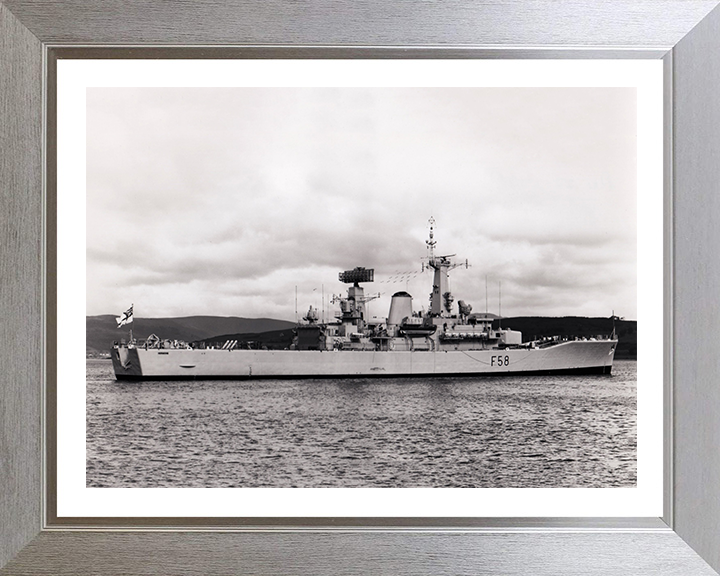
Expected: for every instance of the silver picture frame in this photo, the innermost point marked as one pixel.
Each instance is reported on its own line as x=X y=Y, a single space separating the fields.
x=685 y=34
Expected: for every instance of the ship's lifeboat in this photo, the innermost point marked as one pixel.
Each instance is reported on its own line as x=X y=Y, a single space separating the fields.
x=416 y=327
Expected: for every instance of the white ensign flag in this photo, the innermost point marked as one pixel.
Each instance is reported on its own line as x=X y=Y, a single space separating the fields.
x=126 y=317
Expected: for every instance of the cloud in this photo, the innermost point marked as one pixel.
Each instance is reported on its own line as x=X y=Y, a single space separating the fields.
x=221 y=201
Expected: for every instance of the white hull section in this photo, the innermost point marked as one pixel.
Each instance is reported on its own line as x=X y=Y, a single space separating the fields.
x=574 y=356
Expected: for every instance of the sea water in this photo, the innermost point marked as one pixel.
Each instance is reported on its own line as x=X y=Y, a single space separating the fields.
x=479 y=432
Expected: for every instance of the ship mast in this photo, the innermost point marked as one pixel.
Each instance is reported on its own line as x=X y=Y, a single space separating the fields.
x=441 y=298
x=353 y=307
x=431 y=242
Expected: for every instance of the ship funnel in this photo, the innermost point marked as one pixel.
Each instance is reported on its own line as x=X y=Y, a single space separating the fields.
x=400 y=307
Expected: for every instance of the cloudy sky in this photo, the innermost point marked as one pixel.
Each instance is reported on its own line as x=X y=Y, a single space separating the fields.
x=222 y=201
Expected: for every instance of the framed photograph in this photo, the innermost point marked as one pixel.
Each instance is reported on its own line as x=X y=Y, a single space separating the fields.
x=435 y=306
x=350 y=401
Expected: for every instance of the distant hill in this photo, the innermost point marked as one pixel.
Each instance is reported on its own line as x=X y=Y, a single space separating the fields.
x=102 y=331
x=532 y=327
x=277 y=334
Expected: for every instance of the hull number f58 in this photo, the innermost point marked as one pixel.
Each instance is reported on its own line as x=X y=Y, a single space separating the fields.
x=500 y=361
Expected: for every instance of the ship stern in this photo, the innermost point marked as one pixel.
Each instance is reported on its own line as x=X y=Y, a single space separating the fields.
x=126 y=363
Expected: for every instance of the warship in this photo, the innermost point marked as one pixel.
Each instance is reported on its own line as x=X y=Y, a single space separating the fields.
x=444 y=340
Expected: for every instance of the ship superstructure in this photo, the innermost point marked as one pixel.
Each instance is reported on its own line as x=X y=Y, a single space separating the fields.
x=441 y=328
x=444 y=340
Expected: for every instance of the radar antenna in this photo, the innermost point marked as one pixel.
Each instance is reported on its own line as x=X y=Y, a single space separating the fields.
x=353 y=307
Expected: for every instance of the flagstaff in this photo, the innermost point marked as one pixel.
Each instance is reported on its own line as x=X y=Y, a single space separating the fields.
x=126 y=318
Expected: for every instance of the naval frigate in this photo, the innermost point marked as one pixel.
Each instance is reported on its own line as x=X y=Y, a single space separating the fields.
x=444 y=340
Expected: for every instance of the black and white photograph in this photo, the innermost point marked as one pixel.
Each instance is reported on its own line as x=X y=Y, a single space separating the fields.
x=291 y=287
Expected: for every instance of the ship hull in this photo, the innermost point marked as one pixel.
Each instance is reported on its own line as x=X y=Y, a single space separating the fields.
x=573 y=357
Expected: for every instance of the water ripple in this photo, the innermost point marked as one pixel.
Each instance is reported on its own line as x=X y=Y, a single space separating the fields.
x=550 y=431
